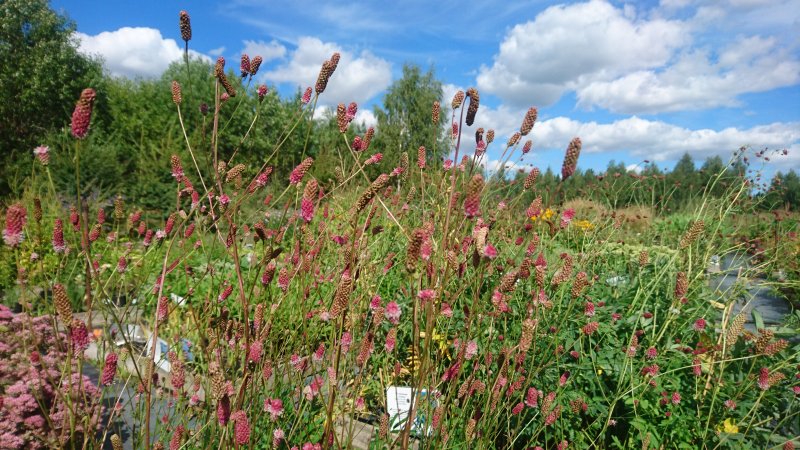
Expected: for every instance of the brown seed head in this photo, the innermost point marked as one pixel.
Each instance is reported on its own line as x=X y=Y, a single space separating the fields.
x=185 y=25
x=244 y=65
x=681 y=285
x=513 y=139
x=414 y=246
x=528 y=121
x=404 y=165
x=116 y=442
x=219 y=67
x=458 y=99
x=324 y=75
x=734 y=330
x=371 y=191
x=644 y=258
x=119 y=208
x=692 y=234
x=62 y=304
x=310 y=191
x=531 y=178
x=37 y=209
x=234 y=173
x=489 y=137
x=335 y=60
x=176 y=92
x=571 y=158
x=342 y=296
x=341 y=117
x=255 y=64
x=475 y=186
x=223 y=80
x=478 y=135
x=474 y=103
x=435 y=111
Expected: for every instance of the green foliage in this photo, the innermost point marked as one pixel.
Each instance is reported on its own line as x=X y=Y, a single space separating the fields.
x=42 y=71
x=405 y=121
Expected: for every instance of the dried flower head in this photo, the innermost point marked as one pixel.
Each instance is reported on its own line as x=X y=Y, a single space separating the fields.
x=681 y=285
x=571 y=158
x=176 y=92
x=692 y=234
x=255 y=64
x=512 y=141
x=489 y=136
x=526 y=148
x=244 y=65
x=234 y=173
x=62 y=303
x=458 y=99
x=371 y=191
x=530 y=179
x=328 y=67
x=528 y=121
x=474 y=103
x=341 y=298
x=435 y=111
x=185 y=25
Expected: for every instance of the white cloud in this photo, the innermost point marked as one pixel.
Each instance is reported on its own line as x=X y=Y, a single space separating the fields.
x=638 y=62
x=133 y=52
x=660 y=141
x=267 y=50
x=363 y=116
x=366 y=117
x=695 y=82
x=565 y=46
x=357 y=78
x=216 y=51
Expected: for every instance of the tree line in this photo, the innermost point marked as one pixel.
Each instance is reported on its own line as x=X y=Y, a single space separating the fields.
x=135 y=128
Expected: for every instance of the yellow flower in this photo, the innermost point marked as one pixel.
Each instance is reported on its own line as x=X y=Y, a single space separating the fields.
x=546 y=215
x=584 y=225
x=599 y=371
x=728 y=426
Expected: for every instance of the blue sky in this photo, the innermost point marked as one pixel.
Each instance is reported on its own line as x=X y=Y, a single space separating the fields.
x=635 y=80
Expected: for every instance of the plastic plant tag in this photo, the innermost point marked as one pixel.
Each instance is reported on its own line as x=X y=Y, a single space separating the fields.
x=398 y=403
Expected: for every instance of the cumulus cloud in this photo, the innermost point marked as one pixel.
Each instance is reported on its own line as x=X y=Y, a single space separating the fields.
x=564 y=46
x=357 y=78
x=133 y=51
x=644 y=63
x=660 y=141
x=696 y=82
x=267 y=50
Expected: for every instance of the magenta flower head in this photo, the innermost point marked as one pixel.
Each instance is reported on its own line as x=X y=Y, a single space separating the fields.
x=300 y=171
x=58 y=237
x=109 y=369
x=42 y=153
x=306 y=96
x=262 y=92
x=16 y=217
x=82 y=114
x=244 y=66
x=241 y=428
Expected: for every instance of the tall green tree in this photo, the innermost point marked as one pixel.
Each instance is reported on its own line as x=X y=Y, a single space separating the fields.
x=43 y=72
x=404 y=120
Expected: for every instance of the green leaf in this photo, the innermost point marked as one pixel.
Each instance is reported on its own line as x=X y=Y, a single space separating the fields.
x=758 y=319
